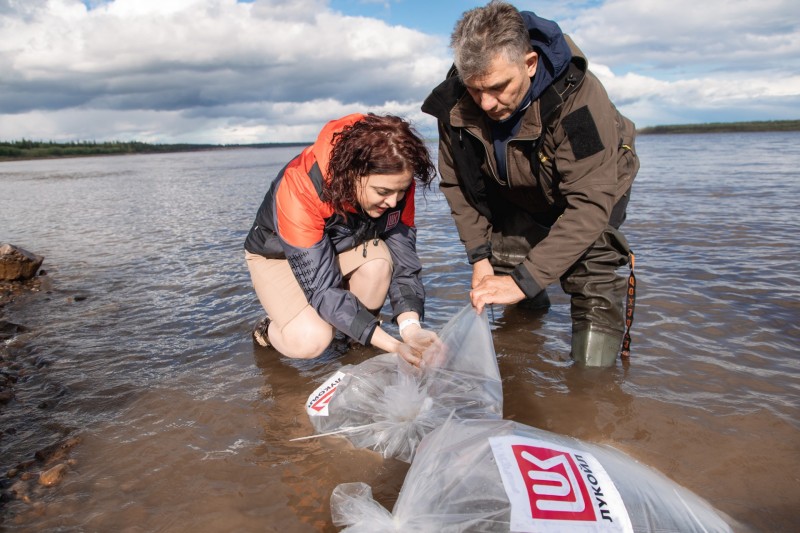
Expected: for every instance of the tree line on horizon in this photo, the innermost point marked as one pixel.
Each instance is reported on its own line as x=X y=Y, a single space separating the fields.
x=29 y=149
x=725 y=127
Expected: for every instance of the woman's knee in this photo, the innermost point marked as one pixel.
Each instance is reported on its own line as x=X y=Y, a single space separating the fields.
x=370 y=282
x=377 y=270
x=305 y=342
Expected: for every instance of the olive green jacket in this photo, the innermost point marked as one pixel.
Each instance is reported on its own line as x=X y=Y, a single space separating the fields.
x=568 y=173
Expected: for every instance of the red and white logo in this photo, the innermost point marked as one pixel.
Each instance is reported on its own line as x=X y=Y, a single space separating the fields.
x=317 y=404
x=552 y=487
x=392 y=220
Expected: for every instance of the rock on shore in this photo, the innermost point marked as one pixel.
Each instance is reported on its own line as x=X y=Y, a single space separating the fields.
x=18 y=264
x=18 y=269
x=20 y=276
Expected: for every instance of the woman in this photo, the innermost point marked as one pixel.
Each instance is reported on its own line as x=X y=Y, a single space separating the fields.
x=335 y=233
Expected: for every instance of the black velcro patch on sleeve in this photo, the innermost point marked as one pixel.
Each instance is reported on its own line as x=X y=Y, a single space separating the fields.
x=582 y=133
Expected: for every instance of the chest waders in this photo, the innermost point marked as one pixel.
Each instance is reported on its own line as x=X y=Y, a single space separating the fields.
x=600 y=327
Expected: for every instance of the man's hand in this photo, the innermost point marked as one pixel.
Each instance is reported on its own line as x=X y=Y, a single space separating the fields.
x=480 y=270
x=495 y=290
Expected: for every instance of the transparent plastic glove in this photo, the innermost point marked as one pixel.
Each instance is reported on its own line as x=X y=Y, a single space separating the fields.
x=420 y=339
x=408 y=353
x=436 y=355
x=426 y=344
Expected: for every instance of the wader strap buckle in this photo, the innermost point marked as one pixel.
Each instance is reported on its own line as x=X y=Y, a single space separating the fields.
x=629 y=307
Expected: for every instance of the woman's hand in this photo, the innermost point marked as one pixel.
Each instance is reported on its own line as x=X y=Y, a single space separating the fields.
x=407 y=352
x=424 y=344
x=387 y=343
x=415 y=341
x=419 y=339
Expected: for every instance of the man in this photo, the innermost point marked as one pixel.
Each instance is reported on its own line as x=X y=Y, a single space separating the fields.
x=537 y=165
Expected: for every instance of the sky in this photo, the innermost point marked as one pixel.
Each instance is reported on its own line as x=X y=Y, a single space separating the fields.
x=257 y=71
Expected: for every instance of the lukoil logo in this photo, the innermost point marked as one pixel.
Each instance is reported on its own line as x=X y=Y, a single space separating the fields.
x=555 y=487
x=551 y=487
x=317 y=404
x=392 y=220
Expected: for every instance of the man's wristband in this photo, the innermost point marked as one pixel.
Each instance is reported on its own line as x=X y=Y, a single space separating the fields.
x=407 y=322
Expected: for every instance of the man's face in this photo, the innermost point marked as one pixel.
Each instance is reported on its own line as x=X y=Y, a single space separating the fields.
x=500 y=90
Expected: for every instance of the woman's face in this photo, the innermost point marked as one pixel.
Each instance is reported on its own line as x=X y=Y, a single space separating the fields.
x=378 y=192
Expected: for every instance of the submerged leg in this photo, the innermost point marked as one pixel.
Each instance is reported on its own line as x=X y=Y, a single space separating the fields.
x=598 y=295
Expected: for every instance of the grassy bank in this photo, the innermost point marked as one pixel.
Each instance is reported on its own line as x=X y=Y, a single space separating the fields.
x=25 y=149
x=726 y=127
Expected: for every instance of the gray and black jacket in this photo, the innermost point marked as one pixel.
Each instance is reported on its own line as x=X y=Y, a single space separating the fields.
x=294 y=223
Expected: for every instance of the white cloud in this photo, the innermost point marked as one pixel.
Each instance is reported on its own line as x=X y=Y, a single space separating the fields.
x=673 y=38
x=230 y=124
x=686 y=61
x=222 y=71
x=200 y=58
x=653 y=101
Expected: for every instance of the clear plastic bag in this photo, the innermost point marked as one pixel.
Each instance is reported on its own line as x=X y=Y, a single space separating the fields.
x=387 y=405
x=486 y=475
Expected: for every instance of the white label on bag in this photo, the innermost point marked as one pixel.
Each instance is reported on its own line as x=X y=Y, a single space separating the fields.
x=554 y=488
x=317 y=404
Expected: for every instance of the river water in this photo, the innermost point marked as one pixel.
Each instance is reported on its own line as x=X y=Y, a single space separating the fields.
x=139 y=343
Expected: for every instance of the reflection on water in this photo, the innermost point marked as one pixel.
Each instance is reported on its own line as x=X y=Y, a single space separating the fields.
x=141 y=344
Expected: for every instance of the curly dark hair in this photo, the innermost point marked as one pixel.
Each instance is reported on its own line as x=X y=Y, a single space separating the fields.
x=374 y=145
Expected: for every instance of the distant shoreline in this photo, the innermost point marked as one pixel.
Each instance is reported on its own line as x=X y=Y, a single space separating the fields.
x=26 y=149
x=725 y=127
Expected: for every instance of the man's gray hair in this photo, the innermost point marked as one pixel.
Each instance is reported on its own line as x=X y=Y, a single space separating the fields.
x=484 y=33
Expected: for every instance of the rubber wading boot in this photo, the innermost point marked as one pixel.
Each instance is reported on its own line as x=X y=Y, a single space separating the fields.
x=592 y=347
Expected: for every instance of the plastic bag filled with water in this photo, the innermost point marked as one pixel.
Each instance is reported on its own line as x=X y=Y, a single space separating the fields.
x=490 y=475
x=387 y=405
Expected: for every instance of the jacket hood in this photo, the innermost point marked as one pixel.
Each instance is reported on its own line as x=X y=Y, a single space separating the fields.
x=555 y=56
x=548 y=41
x=323 y=146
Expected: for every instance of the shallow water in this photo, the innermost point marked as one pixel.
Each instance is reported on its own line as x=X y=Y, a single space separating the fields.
x=140 y=345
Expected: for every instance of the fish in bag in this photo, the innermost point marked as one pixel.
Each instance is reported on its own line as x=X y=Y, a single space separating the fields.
x=387 y=405
x=499 y=475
